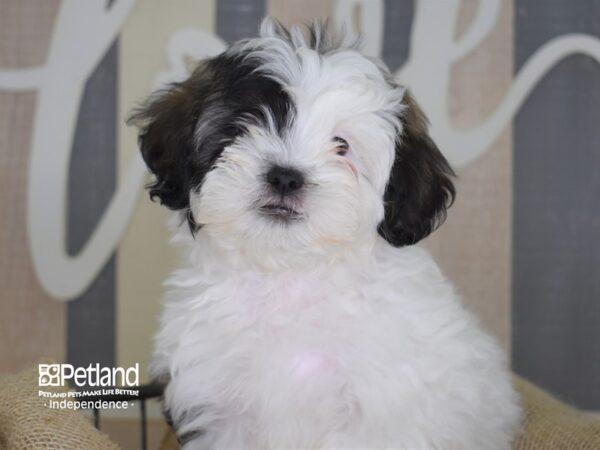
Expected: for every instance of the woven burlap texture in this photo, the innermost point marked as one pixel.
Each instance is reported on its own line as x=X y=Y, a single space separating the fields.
x=550 y=424
x=26 y=424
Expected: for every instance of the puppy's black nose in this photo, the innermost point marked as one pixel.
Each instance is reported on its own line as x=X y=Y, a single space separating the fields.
x=284 y=180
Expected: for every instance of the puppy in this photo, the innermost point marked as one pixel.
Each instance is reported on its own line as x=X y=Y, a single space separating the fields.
x=304 y=317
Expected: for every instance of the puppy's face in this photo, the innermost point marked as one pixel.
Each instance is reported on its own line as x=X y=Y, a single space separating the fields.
x=286 y=148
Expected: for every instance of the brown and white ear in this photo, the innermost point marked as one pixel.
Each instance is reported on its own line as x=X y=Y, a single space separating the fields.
x=169 y=142
x=165 y=139
x=420 y=187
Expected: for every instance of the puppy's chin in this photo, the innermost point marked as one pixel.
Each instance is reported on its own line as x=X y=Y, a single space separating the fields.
x=276 y=241
x=275 y=238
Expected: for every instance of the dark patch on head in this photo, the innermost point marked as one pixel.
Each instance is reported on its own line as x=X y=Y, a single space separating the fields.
x=219 y=93
x=420 y=187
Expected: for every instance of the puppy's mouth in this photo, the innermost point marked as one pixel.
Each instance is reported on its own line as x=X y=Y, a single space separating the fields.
x=280 y=211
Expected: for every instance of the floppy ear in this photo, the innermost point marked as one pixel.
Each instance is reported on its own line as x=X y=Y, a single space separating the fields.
x=420 y=188
x=166 y=124
x=183 y=129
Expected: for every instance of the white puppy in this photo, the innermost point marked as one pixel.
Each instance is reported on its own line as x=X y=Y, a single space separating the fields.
x=304 y=317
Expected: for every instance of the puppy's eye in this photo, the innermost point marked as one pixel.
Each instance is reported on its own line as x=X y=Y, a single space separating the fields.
x=341 y=146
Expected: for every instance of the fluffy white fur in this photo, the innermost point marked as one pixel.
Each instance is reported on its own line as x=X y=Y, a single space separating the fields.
x=317 y=333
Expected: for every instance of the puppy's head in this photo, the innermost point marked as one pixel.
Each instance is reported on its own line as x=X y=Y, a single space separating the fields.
x=290 y=146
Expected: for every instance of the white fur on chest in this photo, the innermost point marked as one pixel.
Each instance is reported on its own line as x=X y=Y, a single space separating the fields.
x=374 y=357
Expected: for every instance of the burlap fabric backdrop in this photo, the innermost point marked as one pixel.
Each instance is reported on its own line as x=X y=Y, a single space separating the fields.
x=26 y=424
